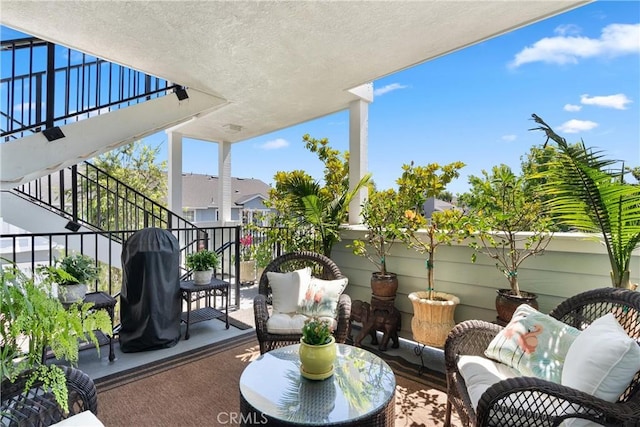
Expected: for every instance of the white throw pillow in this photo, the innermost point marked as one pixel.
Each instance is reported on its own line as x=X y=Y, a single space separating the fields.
x=602 y=360
x=287 y=289
x=321 y=297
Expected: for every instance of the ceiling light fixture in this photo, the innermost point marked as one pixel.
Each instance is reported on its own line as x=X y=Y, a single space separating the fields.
x=231 y=128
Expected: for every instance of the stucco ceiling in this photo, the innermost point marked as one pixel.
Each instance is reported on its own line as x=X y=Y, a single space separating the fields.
x=276 y=64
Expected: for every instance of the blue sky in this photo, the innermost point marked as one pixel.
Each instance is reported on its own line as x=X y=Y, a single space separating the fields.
x=579 y=71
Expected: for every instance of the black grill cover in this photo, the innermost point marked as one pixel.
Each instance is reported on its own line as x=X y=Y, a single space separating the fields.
x=150 y=302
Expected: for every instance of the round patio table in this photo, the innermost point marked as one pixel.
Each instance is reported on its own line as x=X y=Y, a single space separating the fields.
x=361 y=392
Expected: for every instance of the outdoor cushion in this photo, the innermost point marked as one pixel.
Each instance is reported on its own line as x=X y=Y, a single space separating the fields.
x=480 y=373
x=84 y=419
x=321 y=297
x=533 y=343
x=284 y=323
x=287 y=289
x=602 y=360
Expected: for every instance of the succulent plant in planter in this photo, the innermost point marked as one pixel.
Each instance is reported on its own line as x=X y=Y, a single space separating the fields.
x=317 y=349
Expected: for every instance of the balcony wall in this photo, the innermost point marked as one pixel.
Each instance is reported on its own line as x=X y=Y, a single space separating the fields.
x=571 y=264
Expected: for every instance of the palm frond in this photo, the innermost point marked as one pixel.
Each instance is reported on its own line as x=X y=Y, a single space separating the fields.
x=589 y=196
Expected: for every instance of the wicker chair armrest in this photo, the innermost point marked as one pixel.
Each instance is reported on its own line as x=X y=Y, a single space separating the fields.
x=260 y=312
x=344 y=314
x=37 y=406
x=470 y=337
x=82 y=391
x=528 y=401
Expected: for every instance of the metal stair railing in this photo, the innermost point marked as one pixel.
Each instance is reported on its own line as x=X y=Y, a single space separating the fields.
x=87 y=195
x=51 y=85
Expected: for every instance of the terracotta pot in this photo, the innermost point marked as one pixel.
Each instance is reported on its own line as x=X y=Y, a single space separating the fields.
x=384 y=286
x=432 y=319
x=316 y=361
x=506 y=304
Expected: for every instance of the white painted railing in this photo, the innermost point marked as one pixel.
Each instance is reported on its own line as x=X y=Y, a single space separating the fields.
x=571 y=264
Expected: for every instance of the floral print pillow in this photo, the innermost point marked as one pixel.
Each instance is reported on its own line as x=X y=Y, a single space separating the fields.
x=321 y=297
x=533 y=343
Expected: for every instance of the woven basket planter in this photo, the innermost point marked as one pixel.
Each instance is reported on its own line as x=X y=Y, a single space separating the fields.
x=248 y=271
x=432 y=319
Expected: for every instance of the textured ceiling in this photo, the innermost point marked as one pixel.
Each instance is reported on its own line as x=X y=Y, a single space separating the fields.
x=276 y=63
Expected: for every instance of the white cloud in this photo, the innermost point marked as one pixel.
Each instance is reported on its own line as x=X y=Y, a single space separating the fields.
x=509 y=138
x=568 y=47
x=567 y=30
x=618 y=101
x=572 y=107
x=275 y=144
x=388 y=88
x=576 y=126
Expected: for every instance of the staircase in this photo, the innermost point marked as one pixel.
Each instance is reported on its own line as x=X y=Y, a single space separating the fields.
x=61 y=107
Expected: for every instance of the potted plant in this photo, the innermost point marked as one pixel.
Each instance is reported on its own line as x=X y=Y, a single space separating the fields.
x=588 y=195
x=317 y=349
x=512 y=226
x=71 y=274
x=433 y=312
x=264 y=255
x=247 y=259
x=33 y=321
x=202 y=263
x=382 y=215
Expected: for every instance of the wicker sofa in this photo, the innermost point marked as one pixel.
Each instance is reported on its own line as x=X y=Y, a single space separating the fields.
x=323 y=268
x=531 y=401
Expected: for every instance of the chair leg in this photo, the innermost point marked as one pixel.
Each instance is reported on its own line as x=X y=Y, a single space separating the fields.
x=447 y=419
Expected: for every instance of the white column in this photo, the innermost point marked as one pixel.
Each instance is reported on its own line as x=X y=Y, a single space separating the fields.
x=174 y=181
x=358 y=147
x=224 y=182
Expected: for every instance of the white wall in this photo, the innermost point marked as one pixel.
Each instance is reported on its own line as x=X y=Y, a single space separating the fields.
x=571 y=264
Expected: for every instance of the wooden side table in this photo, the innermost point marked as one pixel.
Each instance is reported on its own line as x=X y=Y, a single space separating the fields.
x=104 y=301
x=191 y=293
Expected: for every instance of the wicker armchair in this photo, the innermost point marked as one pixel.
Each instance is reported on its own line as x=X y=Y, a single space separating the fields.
x=535 y=398
x=323 y=268
x=37 y=407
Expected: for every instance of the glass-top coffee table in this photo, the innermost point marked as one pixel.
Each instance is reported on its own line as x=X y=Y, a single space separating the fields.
x=360 y=393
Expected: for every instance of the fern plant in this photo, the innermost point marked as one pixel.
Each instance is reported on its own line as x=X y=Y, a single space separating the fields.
x=588 y=195
x=34 y=320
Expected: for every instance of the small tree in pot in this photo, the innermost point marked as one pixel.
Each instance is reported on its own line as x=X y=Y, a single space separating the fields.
x=433 y=311
x=512 y=227
x=382 y=215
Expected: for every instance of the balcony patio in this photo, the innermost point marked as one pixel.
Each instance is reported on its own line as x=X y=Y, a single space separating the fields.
x=570 y=265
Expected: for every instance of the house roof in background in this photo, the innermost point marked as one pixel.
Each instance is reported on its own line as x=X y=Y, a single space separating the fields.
x=201 y=191
x=274 y=64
